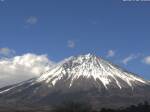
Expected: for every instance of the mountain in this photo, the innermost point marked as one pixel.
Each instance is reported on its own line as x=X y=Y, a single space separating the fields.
x=83 y=78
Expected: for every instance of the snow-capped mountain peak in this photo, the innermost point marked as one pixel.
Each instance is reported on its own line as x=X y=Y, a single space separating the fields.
x=86 y=78
x=90 y=67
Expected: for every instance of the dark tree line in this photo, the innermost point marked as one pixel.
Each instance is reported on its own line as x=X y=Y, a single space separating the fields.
x=142 y=107
x=83 y=107
x=77 y=107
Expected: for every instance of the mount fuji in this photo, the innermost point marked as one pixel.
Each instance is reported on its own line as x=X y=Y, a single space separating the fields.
x=84 y=78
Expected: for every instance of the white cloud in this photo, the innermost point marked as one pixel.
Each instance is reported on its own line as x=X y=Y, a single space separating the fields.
x=130 y=58
x=111 y=53
x=71 y=44
x=32 y=20
x=20 y=68
x=147 y=60
x=6 y=52
x=2 y=0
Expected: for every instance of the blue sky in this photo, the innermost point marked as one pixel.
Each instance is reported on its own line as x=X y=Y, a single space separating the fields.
x=116 y=30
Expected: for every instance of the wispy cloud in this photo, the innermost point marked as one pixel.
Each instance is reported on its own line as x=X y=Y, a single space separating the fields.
x=111 y=53
x=32 y=20
x=24 y=67
x=93 y=21
x=71 y=43
x=6 y=52
x=146 y=60
x=129 y=58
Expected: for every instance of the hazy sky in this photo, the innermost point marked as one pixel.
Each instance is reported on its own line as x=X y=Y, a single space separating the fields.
x=116 y=30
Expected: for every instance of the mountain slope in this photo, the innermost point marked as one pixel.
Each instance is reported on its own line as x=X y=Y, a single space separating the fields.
x=86 y=78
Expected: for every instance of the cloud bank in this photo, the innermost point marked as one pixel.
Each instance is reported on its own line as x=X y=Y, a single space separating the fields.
x=20 y=68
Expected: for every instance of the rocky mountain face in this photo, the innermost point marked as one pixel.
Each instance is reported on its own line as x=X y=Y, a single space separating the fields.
x=83 y=78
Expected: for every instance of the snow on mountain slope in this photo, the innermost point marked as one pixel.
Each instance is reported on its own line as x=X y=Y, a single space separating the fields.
x=90 y=66
x=7 y=89
x=86 y=78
